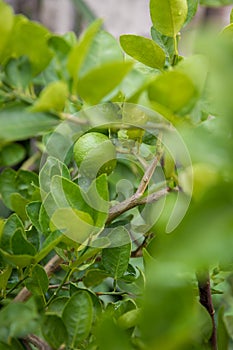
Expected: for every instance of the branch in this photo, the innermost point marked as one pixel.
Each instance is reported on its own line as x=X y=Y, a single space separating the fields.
x=203 y=279
x=133 y=202
x=37 y=342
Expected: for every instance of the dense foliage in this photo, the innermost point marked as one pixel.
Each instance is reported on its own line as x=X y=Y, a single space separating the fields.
x=139 y=254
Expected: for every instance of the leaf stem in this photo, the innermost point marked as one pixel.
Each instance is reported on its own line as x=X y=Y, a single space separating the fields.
x=176 y=53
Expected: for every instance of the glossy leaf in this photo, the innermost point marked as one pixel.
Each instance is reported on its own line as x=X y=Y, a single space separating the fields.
x=215 y=2
x=49 y=244
x=77 y=316
x=12 y=224
x=54 y=330
x=94 y=277
x=38 y=281
x=18 y=204
x=20 y=261
x=4 y=277
x=174 y=90
x=165 y=42
x=19 y=124
x=20 y=245
x=12 y=154
x=143 y=50
x=80 y=50
x=6 y=20
x=29 y=39
x=104 y=49
x=18 y=72
x=115 y=260
x=33 y=210
x=97 y=83
x=168 y=16
x=192 y=9
x=52 y=98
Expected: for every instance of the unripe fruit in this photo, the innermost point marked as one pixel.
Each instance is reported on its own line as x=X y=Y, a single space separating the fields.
x=95 y=154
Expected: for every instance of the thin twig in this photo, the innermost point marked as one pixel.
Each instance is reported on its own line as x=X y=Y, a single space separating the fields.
x=73 y=119
x=203 y=279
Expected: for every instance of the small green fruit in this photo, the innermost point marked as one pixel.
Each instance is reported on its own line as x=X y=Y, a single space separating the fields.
x=95 y=154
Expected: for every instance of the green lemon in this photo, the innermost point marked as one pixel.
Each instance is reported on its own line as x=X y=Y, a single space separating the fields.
x=95 y=154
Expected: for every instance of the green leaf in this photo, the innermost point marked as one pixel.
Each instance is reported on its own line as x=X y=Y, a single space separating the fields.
x=38 y=282
x=168 y=16
x=18 y=72
x=165 y=42
x=33 y=210
x=7 y=186
x=6 y=23
x=29 y=39
x=173 y=90
x=97 y=83
x=192 y=9
x=222 y=334
x=97 y=197
x=94 y=277
x=12 y=224
x=215 y=2
x=15 y=345
x=49 y=244
x=17 y=123
x=52 y=98
x=80 y=50
x=54 y=330
x=115 y=260
x=12 y=154
x=77 y=316
x=18 y=260
x=104 y=49
x=18 y=204
x=20 y=245
x=51 y=168
x=143 y=50
x=4 y=277
x=17 y=320
x=57 y=305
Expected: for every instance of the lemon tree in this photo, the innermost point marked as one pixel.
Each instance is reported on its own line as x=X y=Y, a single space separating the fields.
x=103 y=143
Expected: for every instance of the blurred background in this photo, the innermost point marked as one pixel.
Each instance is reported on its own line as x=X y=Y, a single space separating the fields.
x=121 y=16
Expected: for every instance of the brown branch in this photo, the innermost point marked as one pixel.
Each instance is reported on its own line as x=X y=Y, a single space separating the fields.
x=203 y=279
x=37 y=342
x=73 y=119
x=133 y=202
x=50 y=267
